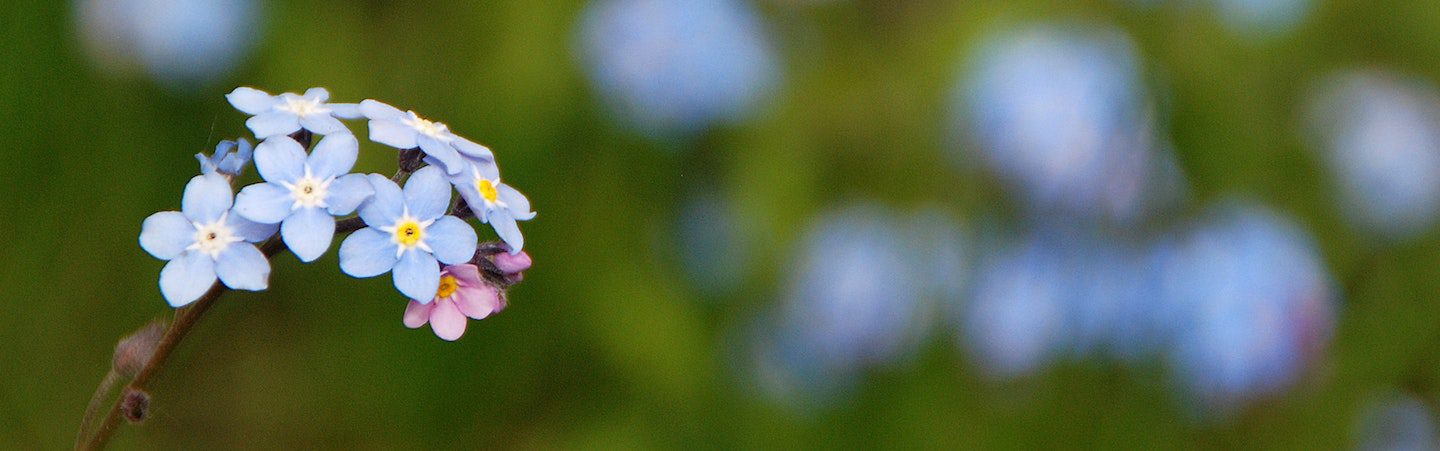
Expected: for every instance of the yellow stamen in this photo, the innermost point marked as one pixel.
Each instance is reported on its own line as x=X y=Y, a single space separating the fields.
x=448 y=285
x=408 y=233
x=487 y=189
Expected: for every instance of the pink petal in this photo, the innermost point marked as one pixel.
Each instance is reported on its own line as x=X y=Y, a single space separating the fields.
x=478 y=301
x=417 y=314
x=511 y=264
x=468 y=275
x=447 y=321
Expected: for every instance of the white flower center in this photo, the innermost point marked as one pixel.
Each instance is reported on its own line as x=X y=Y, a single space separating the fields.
x=408 y=233
x=309 y=191
x=302 y=107
x=213 y=237
x=426 y=127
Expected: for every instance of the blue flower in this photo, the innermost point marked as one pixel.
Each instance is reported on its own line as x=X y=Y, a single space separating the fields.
x=230 y=158
x=408 y=231
x=302 y=194
x=286 y=113
x=407 y=130
x=493 y=202
x=206 y=239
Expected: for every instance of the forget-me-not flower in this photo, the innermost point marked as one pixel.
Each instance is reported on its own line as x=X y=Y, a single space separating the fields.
x=286 y=113
x=302 y=194
x=493 y=202
x=407 y=130
x=463 y=293
x=408 y=232
x=205 y=240
x=230 y=157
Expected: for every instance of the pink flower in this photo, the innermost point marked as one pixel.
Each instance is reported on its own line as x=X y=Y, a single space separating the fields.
x=462 y=293
x=512 y=264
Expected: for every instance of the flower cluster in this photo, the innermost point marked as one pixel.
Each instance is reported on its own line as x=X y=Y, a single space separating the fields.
x=413 y=232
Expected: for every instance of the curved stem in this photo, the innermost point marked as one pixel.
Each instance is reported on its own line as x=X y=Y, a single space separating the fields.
x=183 y=323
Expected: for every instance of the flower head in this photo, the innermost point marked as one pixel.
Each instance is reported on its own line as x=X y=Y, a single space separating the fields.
x=408 y=232
x=302 y=194
x=407 y=130
x=288 y=112
x=462 y=293
x=230 y=158
x=206 y=240
x=493 y=202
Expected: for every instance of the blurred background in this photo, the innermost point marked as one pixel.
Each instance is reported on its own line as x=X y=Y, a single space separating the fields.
x=769 y=223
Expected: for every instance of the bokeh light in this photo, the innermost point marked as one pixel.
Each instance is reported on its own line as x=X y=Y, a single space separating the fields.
x=182 y=44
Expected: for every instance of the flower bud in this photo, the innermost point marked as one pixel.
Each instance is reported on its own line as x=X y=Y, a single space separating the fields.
x=134 y=351
x=135 y=406
x=512 y=264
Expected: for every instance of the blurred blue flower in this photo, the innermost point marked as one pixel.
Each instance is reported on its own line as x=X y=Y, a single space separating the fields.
x=493 y=202
x=1380 y=135
x=675 y=67
x=1251 y=308
x=206 y=240
x=182 y=44
x=230 y=158
x=301 y=194
x=408 y=232
x=288 y=112
x=407 y=130
x=1263 y=17
x=1398 y=423
x=1059 y=113
x=1017 y=318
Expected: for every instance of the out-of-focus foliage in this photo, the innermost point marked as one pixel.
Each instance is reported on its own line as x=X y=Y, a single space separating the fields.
x=769 y=223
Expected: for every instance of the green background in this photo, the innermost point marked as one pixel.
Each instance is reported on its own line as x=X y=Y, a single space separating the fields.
x=606 y=344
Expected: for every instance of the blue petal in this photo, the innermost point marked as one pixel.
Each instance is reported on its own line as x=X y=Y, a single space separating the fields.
x=452 y=239
x=444 y=153
x=280 y=159
x=505 y=226
x=334 y=156
x=386 y=205
x=367 y=253
x=241 y=266
x=417 y=275
x=471 y=149
x=466 y=187
x=317 y=94
x=376 y=110
x=251 y=231
x=274 y=123
x=308 y=233
x=323 y=124
x=346 y=110
x=264 y=202
x=206 y=166
x=234 y=163
x=250 y=100
x=393 y=134
x=187 y=277
x=427 y=193
x=206 y=198
x=518 y=205
x=166 y=234
x=348 y=192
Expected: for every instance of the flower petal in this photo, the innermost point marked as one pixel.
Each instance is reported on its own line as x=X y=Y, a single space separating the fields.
x=477 y=302
x=417 y=275
x=206 y=198
x=267 y=203
x=250 y=100
x=393 y=134
x=513 y=263
x=274 y=123
x=166 y=234
x=242 y=267
x=280 y=159
x=367 y=253
x=348 y=192
x=505 y=226
x=187 y=277
x=417 y=314
x=308 y=233
x=251 y=231
x=472 y=149
x=345 y=110
x=452 y=239
x=447 y=321
x=323 y=123
x=466 y=274
x=377 y=110
x=387 y=204
x=333 y=156
x=444 y=153
x=317 y=93
x=517 y=203
x=427 y=193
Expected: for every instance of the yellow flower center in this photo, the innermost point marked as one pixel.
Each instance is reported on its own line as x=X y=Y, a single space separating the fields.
x=448 y=285
x=409 y=233
x=487 y=190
